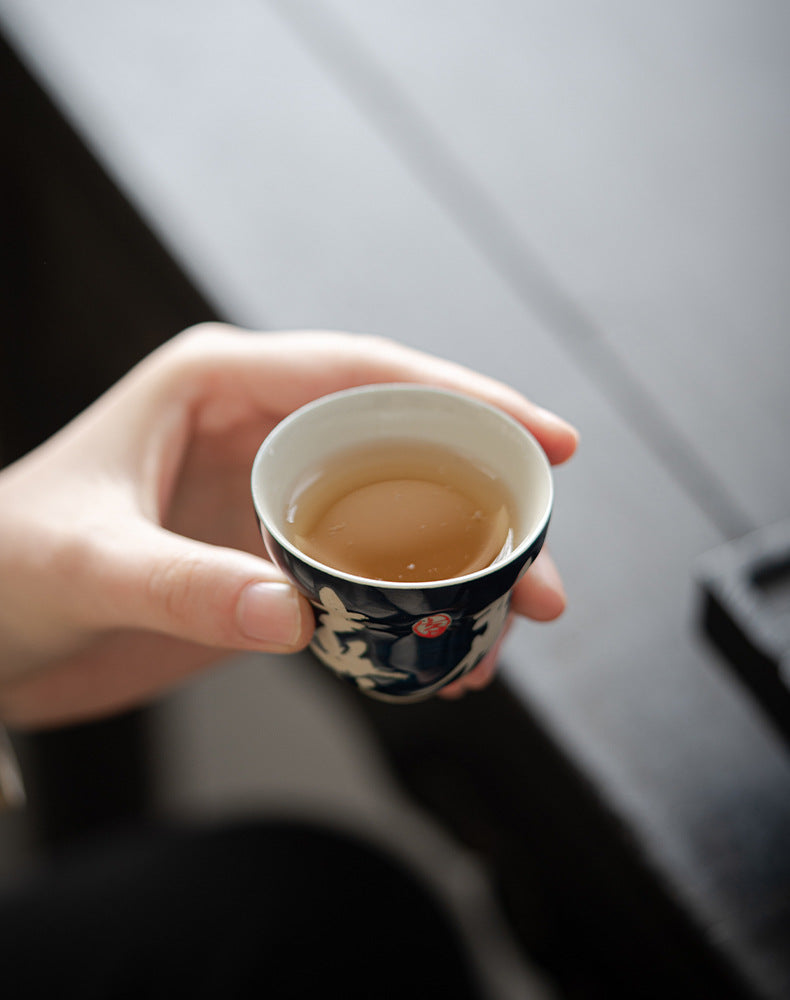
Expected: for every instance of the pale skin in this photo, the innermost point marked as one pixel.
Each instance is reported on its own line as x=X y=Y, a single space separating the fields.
x=129 y=555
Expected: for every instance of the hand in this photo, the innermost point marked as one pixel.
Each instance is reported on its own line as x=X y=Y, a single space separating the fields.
x=129 y=554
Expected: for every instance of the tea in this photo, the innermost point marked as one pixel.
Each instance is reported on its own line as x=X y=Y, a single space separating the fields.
x=403 y=511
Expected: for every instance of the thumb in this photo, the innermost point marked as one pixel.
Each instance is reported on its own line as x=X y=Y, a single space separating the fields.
x=207 y=594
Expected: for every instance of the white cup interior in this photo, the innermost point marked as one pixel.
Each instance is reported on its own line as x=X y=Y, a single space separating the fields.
x=372 y=413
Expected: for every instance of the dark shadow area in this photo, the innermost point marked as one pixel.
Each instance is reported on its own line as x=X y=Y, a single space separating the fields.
x=584 y=900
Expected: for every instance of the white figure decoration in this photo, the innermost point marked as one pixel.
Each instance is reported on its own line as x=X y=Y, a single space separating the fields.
x=332 y=643
x=488 y=625
x=346 y=657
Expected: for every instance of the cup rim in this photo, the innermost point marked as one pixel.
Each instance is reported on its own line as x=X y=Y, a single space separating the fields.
x=518 y=553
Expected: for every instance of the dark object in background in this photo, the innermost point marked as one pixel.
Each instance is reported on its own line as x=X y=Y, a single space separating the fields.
x=283 y=910
x=746 y=614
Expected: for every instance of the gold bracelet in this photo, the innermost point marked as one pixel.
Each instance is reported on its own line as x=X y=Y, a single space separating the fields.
x=12 y=791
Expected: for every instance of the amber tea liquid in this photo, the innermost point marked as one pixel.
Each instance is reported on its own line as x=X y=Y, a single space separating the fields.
x=402 y=511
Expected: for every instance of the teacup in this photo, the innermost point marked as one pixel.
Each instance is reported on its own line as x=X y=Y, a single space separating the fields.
x=402 y=642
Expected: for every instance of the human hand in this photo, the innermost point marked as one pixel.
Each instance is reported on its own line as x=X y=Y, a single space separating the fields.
x=129 y=554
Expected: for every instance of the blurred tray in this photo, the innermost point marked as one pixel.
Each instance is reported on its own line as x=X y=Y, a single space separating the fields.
x=746 y=614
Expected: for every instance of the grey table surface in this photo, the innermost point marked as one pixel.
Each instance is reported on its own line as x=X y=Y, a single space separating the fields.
x=587 y=201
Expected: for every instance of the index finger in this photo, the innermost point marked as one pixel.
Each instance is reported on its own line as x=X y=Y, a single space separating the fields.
x=285 y=370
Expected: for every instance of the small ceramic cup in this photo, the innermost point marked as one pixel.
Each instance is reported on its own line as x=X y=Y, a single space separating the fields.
x=402 y=642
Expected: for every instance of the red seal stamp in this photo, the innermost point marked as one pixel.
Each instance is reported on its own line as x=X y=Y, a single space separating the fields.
x=430 y=627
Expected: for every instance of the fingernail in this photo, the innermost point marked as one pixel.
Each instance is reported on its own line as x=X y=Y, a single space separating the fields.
x=270 y=613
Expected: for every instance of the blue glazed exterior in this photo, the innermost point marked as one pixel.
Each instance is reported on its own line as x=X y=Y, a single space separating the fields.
x=401 y=644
